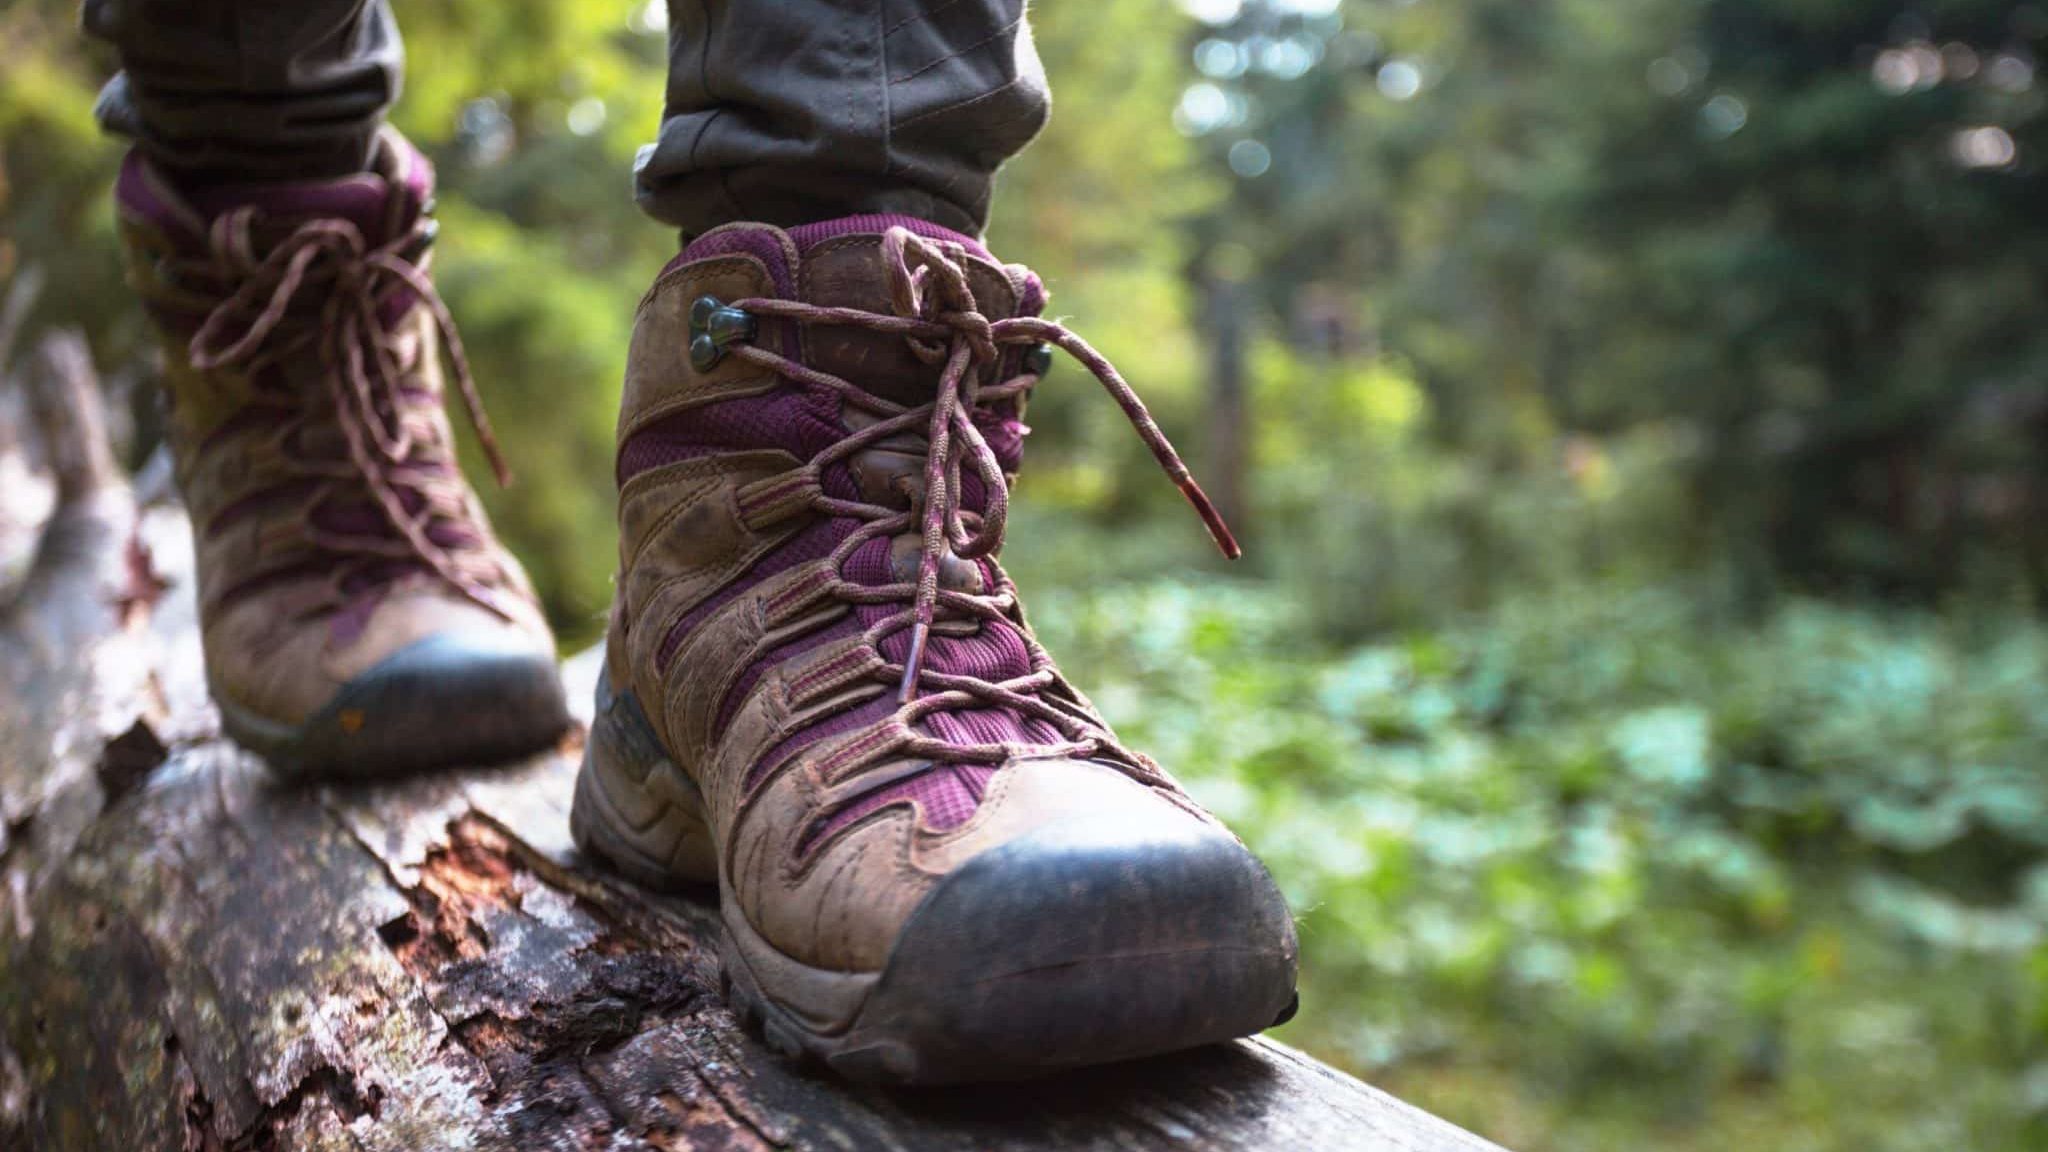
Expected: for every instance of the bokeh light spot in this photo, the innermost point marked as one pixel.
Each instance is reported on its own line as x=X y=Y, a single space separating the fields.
x=1400 y=80
x=1668 y=76
x=1250 y=159
x=1203 y=108
x=1983 y=147
x=1219 y=59
x=1724 y=116
x=1213 y=12
x=586 y=116
x=651 y=17
x=2010 y=73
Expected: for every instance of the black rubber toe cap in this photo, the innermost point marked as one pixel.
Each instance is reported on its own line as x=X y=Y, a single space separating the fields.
x=1092 y=940
x=448 y=700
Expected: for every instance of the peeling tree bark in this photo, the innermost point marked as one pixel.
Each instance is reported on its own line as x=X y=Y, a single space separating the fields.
x=196 y=957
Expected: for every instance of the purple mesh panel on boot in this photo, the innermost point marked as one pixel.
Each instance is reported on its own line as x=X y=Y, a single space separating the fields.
x=350 y=520
x=948 y=793
x=377 y=209
x=787 y=418
x=364 y=199
x=991 y=656
x=649 y=450
x=362 y=519
x=759 y=242
x=449 y=534
x=996 y=652
x=988 y=726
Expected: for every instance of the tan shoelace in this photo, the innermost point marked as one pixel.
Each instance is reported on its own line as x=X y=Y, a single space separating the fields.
x=936 y=314
x=362 y=369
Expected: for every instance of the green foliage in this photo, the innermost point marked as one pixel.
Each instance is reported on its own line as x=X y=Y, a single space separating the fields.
x=555 y=361
x=1649 y=874
x=1370 y=523
x=1806 y=230
x=1600 y=357
x=54 y=173
x=1084 y=206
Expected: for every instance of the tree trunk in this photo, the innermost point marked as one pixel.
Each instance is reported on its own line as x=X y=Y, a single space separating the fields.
x=1229 y=415
x=194 y=956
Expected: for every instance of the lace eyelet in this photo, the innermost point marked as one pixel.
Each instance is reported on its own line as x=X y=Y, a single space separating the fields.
x=714 y=327
x=425 y=233
x=1038 y=359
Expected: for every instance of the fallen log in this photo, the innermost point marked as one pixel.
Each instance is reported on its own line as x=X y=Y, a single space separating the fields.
x=194 y=956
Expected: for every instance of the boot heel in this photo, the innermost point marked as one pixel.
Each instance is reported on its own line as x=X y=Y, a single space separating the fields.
x=634 y=807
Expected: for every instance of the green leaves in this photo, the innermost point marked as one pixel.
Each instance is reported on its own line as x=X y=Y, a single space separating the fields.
x=1638 y=851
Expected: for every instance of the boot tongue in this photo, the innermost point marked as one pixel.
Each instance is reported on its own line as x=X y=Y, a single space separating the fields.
x=363 y=200
x=841 y=265
x=381 y=203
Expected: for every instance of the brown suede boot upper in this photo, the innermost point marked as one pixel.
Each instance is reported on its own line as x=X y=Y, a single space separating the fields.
x=848 y=704
x=302 y=354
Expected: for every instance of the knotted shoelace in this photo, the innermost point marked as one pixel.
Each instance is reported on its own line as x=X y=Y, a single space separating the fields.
x=936 y=314
x=362 y=369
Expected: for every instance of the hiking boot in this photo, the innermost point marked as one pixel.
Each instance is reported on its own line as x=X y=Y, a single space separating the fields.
x=358 y=616
x=935 y=862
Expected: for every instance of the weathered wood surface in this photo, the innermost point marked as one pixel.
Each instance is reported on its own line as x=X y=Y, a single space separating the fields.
x=195 y=957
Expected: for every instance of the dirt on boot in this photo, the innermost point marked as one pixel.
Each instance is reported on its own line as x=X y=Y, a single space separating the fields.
x=359 y=615
x=935 y=860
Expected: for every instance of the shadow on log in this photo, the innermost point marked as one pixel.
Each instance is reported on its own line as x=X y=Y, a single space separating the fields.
x=196 y=957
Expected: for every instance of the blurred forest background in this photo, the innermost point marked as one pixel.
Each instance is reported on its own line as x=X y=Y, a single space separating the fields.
x=1635 y=413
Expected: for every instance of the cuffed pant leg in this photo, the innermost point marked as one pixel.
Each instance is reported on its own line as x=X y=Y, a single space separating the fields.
x=249 y=89
x=802 y=110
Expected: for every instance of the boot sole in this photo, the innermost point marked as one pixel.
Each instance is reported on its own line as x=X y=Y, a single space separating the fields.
x=993 y=979
x=633 y=807
x=430 y=705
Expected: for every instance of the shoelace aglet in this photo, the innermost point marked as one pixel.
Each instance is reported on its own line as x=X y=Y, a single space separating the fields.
x=920 y=632
x=1212 y=519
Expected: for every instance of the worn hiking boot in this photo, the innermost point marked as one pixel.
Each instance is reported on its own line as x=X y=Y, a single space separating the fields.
x=358 y=615
x=935 y=861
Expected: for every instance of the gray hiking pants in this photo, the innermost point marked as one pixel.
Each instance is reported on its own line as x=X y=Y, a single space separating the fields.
x=783 y=111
